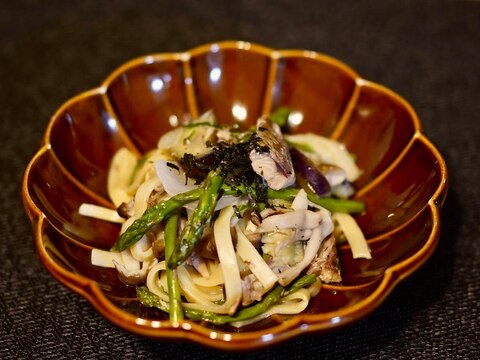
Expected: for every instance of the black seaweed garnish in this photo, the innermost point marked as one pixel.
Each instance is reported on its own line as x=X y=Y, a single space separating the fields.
x=234 y=160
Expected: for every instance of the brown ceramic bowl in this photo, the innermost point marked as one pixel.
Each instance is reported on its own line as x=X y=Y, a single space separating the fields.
x=404 y=179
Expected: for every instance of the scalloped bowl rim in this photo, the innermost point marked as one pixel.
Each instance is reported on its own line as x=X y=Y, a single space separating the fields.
x=188 y=330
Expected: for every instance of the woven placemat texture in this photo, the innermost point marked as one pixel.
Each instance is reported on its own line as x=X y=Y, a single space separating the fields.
x=427 y=51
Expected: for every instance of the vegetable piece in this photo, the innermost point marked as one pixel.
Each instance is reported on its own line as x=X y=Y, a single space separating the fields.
x=152 y=216
x=311 y=250
x=291 y=304
x=334 y=205
x=301 y=146
x=327 y=151
x=202 y=123
x=354 y=235
x=174 y=295
x=300 y=283
x=343 y=190
x=254 y=261
x=309 y=175
x=133 y=276
x=280 y=116
x=148 y=298
x=203 y=213
x=182 y=140
x=158 y=212
x=244 y=314
x=173 y=179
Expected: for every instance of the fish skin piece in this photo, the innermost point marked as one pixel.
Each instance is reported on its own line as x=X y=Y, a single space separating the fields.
x=274 y=165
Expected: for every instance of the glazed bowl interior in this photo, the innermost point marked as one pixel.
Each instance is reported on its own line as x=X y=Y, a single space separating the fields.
x=403 y=181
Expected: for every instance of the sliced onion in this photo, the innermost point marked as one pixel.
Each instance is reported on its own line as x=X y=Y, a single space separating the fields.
x=174 y=181
x=306 y=171
x=344 y=190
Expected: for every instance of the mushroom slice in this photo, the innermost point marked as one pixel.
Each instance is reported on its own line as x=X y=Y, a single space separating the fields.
x=134 y=277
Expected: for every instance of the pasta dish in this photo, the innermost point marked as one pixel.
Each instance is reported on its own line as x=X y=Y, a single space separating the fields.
x=230 y=225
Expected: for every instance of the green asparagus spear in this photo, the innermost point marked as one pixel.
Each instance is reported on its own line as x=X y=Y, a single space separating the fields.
x=149 y=299
x=244 y=314
x=152 y=216
x=158 y=212
x=268 y=300
x=332 y=204
x=202 y=214
x=176 y=309
x=300 y=284
x=280 y=116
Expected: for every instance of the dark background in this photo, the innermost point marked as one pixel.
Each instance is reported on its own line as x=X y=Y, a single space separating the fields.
x=427 y=51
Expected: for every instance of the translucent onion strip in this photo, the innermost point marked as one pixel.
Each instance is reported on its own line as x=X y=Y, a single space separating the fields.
x=173 y=179
x=129 y=261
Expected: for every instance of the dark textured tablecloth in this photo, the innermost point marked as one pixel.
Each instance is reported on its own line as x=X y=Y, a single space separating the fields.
x=427 y=51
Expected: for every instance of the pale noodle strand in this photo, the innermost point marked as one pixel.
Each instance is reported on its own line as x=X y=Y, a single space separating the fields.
x=127 y=224
x=143 y=194
x=292 y=304
x=215 y=278
x=142 y=250
x=228 y=259
x=153 y=281
x=230 y=271
x=193 y=293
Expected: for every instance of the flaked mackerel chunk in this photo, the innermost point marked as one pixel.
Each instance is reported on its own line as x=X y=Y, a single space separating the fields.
x=326 y=264
x=274 y=163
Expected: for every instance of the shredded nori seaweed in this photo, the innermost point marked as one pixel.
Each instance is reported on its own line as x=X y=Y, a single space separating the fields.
x=235 y=164
x=172 y=165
